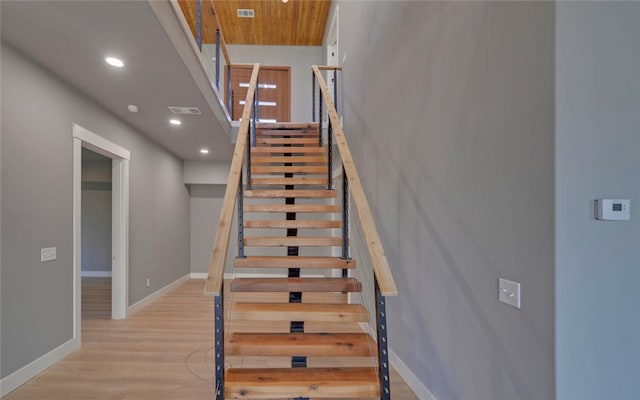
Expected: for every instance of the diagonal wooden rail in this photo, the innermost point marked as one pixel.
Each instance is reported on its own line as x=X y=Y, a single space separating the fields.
x=213 y=286
x=376 y=252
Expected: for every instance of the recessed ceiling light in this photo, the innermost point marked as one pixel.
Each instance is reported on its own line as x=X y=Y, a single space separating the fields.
x=285 y=1
x=133 y=108
x=115 y=62
x=204 y=151
x=175 y=122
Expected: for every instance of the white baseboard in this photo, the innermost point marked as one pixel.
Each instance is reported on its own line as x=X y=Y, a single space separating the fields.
x=137 y=306
x=401 y=368
x=29 y=371
x=409 y=377
x=95 y=274
x=199 y=275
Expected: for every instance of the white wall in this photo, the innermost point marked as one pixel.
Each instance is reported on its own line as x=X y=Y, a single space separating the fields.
x=449 y=113
x=597 y=156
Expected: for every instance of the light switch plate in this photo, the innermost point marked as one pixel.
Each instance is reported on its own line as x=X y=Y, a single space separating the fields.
x=509 y=292
x=48 y=254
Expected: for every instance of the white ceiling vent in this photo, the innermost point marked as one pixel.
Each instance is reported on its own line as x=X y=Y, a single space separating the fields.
x=185 y=110
x=245 y=13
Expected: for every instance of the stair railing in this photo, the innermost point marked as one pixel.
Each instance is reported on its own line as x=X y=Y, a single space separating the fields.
x=232 y=195
x=384 y=282
x=206 y=23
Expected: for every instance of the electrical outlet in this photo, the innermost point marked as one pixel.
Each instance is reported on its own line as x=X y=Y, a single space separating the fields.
x=509 y=292
x=48 y=254
x=148 y=282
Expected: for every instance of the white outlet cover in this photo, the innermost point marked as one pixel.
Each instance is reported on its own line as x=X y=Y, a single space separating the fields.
x=48 y=254
x=509 y=292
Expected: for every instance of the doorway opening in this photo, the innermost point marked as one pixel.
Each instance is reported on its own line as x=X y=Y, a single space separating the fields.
x=115 y=161
x=96 y=221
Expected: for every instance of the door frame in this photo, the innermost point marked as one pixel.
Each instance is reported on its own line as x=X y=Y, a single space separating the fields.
x=120 y=157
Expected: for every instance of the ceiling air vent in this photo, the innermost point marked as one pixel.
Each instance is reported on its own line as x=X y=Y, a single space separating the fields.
x=185 y=110
x=245 y=13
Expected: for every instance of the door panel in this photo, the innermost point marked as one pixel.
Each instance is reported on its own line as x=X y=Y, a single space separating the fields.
x=274 y=92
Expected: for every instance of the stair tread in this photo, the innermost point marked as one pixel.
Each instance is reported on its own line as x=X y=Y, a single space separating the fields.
x=289 y=159
x=303 y=344
x=296 y=285
x=285 y=208
x=282 y=141
x=289 y=181
x=282 y=193
x=287 y=125
x=293 y=262
x=293 y=224
x=299 y=312
x=314 y=241
x=309 y=169
x=289 y=150
x=287 y=132
x=269 y=383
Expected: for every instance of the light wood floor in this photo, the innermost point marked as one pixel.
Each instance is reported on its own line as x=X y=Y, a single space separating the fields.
x=162 y=352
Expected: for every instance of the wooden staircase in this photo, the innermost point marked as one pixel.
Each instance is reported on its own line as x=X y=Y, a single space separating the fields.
x=269 y=319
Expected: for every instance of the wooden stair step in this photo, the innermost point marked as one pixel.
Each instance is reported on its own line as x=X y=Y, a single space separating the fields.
x=272 y=241
x=293 y=262
x=293 y=208
x=296 y=285
x=272 y=383
x=293 y=169
x=290 y=159
x=293 y=224
x=300 y=194
x=289 y=181
x=288 y=150
x=282 y=141
x=287 y=132
x=299 y=312
x=303 y=344
x=288 y=125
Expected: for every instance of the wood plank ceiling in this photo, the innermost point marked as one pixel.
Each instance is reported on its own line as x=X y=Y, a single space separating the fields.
x=295 y=23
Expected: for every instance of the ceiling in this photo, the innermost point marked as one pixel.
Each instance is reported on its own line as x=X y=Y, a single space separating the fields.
x=295 y=23
x=72 y=38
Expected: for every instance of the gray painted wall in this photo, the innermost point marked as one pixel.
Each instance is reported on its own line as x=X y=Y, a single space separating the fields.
x=449 y=112
x=206 y=204
x=597 y=148
x=37 y=298
x=300 y=58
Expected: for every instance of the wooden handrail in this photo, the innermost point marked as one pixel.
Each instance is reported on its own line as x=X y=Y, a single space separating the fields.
x=223 y=43
x=376 y=252
x=329 y=68
x=213 y=286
